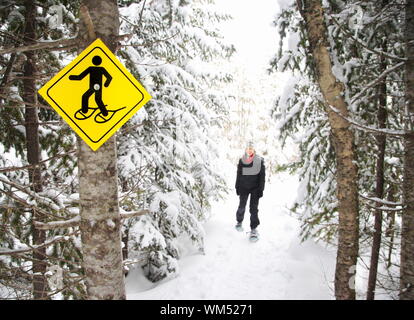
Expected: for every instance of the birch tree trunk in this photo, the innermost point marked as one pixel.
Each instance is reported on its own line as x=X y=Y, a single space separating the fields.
x=407 y=231
x=98 y=182
x=343 y=140
x=33 y=148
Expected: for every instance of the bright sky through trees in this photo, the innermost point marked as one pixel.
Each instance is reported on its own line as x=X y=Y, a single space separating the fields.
x=251 y=30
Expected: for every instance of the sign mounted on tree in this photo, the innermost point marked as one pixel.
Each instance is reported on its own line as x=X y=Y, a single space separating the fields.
x=95 y=94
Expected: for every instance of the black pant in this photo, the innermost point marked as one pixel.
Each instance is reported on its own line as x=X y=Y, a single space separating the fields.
x=254 y=203
x=98 y=99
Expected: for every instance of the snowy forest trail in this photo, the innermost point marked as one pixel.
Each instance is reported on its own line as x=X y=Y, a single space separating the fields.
x=278 y=266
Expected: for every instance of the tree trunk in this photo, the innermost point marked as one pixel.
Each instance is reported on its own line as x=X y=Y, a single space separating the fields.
x=407 y=230
x=33 y=148
x=343 y=139
x=391 y=234
x=390 y=229
x=379 y=188
x=98 y=184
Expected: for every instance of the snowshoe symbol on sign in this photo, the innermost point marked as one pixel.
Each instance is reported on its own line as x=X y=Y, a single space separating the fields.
x=99 y=118
x=95 y=88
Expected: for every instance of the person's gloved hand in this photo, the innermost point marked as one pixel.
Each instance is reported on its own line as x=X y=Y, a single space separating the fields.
x=260 y=194
x=238 y=191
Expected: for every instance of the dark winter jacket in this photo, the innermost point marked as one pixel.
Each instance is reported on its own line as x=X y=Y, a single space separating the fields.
x=250 y=183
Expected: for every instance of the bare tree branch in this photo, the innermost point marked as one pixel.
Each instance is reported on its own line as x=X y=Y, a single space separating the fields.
x=127 y=215
x=381 y=201
x=32 y=248
x=377 y=80
x=8 y=169
x=62 y=44
x=378 y=52
x=25 y=203
x=33 y=105
x=51 y=45
x=397 y=133
x=74 y=222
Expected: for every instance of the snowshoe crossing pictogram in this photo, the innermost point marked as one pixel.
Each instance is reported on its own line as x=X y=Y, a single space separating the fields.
x=99 y=117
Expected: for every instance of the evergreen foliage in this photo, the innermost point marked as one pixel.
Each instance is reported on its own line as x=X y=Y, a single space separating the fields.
x=165 y=152
x=366 y=48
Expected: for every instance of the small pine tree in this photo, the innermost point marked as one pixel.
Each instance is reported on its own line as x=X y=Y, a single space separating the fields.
x=166 y=153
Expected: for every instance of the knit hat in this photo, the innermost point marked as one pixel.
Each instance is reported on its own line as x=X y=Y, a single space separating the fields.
x=250 y=144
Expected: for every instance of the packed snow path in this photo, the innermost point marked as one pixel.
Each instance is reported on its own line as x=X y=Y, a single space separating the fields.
x=278 y=266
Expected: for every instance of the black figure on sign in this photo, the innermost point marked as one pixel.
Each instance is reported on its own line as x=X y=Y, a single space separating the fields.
x=95 y=85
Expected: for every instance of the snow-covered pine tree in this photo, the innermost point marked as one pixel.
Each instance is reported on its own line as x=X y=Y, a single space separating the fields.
x=167 y=154
x=55 y=200
x=166 y=151
x=300 y=115
x=356 y=33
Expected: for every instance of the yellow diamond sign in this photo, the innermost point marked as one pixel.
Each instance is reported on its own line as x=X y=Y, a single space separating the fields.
x=95 y=94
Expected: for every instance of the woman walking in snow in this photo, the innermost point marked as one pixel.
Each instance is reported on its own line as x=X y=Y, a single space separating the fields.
x=250 y=181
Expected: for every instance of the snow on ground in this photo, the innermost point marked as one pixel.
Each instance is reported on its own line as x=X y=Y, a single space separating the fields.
x=278 y=266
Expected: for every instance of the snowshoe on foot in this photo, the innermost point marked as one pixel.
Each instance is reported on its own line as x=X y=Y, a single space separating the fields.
x=254 y=235
x=239 y=226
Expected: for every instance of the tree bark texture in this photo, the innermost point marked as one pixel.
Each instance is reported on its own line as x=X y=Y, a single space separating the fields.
x=33 y=149
x=379 y=193
x=343 y=140
x=98 y=183
x=379 y=186
x=390 y=230
x=407 y=230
